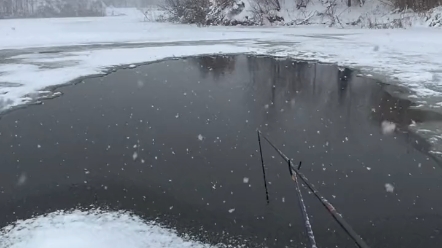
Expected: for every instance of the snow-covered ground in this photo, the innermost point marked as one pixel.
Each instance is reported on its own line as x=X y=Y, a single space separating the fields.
x=92 y=229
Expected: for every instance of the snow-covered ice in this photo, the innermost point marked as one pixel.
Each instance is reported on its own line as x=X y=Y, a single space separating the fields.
x=412 y=56
x=93 y=229
x=38 y=53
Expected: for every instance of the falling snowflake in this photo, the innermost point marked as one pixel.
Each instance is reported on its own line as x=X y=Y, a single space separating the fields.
x=368 y=168
x=245 y=180
x=22 y=179
x=389 y=188
x=231 y=210
x=200 y=137
x=135 y=156
x=388 y=127
x=38 y=146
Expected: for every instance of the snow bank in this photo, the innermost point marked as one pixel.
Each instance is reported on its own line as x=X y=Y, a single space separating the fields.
x=93 y=229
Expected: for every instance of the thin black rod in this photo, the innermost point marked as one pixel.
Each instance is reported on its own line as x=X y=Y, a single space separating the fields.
x=337 y=216
x=263 y=168
x=308 y=226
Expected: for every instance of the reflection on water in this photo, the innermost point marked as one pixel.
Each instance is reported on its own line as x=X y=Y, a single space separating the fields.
x=176 y=140
x=216 y=66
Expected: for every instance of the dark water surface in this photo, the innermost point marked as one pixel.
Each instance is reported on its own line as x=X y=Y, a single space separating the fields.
x=131 y=140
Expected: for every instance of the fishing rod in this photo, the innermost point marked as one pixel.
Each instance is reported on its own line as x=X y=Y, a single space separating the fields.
x=294 y=172
x=308 y=226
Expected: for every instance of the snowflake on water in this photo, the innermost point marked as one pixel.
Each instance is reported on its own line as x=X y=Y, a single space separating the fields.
x=389 y=188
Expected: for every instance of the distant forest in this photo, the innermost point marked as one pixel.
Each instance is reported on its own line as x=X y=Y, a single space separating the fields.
x=51 y=8
x=65 y=8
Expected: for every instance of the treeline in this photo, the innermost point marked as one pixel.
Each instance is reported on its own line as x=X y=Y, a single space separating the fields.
x=51 y=8
x=416 y=5
x=132 y=3
x=219 y=12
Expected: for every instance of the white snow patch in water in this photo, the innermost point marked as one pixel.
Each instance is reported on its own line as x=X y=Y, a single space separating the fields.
x=92 y=229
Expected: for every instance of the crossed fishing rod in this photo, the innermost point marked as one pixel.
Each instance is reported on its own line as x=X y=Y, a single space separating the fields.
x=294 y=173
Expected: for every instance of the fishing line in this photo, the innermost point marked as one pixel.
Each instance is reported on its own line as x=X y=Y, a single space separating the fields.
x=307 y=224
x=336 y=216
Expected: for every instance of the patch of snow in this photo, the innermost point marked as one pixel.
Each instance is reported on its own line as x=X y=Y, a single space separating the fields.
x=93 y=229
